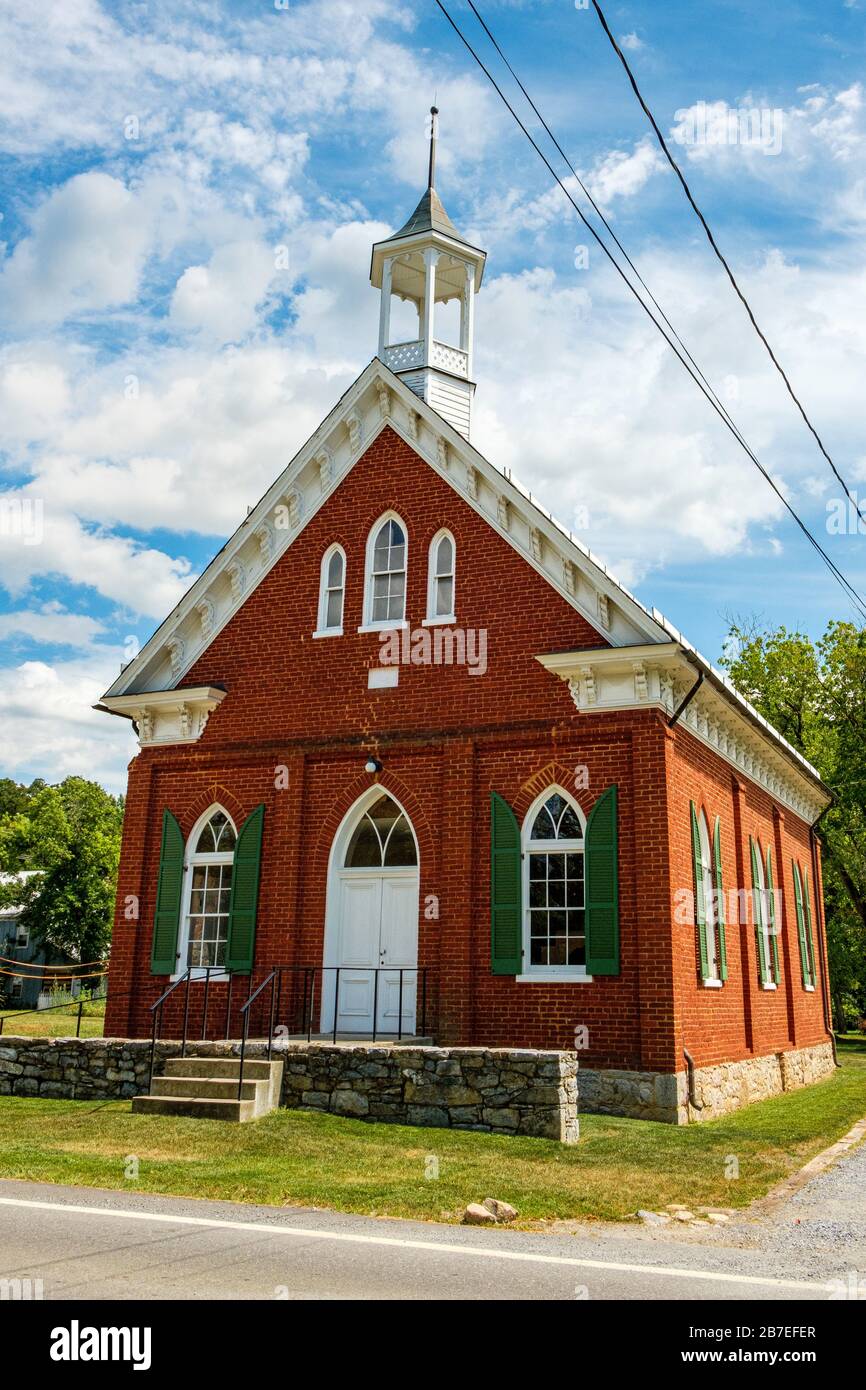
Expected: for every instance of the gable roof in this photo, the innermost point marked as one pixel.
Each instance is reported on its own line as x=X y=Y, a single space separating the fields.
x=376 y=400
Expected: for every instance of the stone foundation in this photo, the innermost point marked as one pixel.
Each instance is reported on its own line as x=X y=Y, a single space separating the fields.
x=724 y=1087
x=501 y=1091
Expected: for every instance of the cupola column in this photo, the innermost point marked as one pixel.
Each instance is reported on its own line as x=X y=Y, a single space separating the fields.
x=385 y=308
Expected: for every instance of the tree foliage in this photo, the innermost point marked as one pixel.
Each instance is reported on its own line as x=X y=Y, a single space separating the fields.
x=814 y=693
x=70 y=834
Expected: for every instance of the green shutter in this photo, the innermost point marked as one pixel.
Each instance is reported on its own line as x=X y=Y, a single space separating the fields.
x=810 y=940
x=506 y=934
x=801 y=924
x=759 y=912
x=771 y=908
x=700 y=900
x=720 y=899
x=602 y=887
x=169 y=894
x=240 y=947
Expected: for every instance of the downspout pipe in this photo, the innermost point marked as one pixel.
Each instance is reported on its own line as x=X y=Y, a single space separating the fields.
x=686 y=700
x=694 y=1101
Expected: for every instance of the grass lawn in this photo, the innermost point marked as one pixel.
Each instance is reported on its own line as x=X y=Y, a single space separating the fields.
x=295 y=1158
x=54 y=1023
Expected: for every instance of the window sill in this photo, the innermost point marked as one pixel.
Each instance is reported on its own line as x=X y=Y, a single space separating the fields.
x=810 y=989
x=768 y=984
x=329 y=632
x=384 y=627
x=712 y=983
x=560 y=977
x=447 y=620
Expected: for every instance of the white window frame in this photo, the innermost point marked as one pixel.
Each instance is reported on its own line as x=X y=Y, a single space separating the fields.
x=534 y=974
x=322 y=629
x=713 y=978
x=192 y=860
x=434 y=619
x=390 y=624
x=21 y=945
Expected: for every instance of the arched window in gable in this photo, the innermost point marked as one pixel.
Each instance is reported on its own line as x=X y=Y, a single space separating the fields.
x=332 y=589
x=441 y=579
x=386 y=573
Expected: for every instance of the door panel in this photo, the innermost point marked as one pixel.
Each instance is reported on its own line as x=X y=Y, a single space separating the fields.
x=398 y=946
x=360 y=915
x=378 y=927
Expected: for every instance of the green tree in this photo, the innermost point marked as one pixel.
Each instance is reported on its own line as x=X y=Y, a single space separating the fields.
x=814 y=693
x=71 y=834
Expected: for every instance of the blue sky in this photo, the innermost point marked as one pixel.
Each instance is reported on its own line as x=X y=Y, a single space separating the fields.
x=158 y=368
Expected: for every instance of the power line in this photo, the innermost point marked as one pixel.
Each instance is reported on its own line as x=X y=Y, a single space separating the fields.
x=599 y=211
x=694 y=373
x=714 y=244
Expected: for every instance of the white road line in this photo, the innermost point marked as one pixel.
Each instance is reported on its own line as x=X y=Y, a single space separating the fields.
x=437 y=1246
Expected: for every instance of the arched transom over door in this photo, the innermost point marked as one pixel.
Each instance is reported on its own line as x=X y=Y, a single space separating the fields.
x=371 y=936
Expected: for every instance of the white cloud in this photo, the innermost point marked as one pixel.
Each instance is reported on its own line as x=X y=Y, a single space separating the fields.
x=85 y=252
x=144 y=579
x=621 y=175
x=630 y=42
x=48 y=728
x=51 y=625
x=221 y=298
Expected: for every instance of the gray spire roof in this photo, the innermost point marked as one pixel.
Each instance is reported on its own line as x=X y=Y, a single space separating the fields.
x=429 y=216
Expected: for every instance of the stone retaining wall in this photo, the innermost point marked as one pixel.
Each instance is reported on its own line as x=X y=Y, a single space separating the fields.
x=724 y=1087
x=503 y=1091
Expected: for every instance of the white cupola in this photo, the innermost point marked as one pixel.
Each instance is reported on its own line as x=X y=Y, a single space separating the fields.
x=429 y=264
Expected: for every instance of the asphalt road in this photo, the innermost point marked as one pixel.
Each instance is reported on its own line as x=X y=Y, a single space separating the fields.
x=90 y=1244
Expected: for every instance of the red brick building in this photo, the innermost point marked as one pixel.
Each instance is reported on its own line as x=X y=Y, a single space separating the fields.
x=409 y=744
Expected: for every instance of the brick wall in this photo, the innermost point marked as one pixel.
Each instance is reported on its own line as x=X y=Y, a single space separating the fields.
x=446 y=739
x=742 y=1019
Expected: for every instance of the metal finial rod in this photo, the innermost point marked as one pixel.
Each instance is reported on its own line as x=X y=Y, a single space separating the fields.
x=434 y=135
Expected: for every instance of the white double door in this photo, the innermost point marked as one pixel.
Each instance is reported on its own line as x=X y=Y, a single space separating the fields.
x=377 y=938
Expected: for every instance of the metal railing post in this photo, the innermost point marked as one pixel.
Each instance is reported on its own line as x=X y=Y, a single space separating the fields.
x=271 y=1017
x=207 y=971
x=336 y=1002
x=375 y=1001
x=186 y=1013
x=400 y=1010
x=229 y=1005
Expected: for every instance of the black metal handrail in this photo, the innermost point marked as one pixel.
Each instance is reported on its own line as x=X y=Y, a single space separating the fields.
x=270 y=978
x=192 y=973
x=274 y=978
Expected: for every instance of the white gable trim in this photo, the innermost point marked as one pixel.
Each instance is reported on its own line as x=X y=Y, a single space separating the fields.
x=377 y=399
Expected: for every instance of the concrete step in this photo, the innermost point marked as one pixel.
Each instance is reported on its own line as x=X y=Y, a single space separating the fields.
x=209 y=1088
x=255 y=1069
x=195 y=1108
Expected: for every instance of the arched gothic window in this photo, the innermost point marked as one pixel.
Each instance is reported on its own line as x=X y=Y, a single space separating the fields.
x=554 y=922
x=386 y=574
x=210 y=861
x=382 y=838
